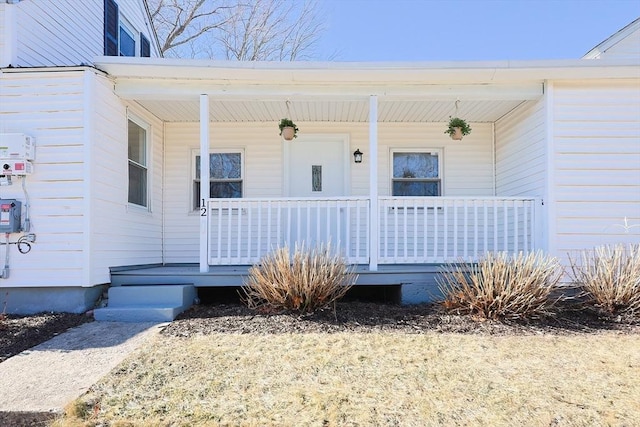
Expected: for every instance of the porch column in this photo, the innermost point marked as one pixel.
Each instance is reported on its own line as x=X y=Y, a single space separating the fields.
x=373 y=183
x=204 y=182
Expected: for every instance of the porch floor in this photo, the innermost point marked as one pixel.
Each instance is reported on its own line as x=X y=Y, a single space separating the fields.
x=234 y=275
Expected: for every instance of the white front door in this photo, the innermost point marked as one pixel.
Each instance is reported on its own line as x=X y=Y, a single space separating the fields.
x=317 y=167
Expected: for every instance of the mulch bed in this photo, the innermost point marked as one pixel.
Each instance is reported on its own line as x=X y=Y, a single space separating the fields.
x=19 y=333
x=354 y=316
x=27 y=419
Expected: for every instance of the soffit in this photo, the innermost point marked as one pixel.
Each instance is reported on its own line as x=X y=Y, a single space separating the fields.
x=326 y=110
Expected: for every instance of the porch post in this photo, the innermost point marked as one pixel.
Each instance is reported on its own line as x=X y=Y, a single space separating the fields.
x=204 y=181
x=373 y=183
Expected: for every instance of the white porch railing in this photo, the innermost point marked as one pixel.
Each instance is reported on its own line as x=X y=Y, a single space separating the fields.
x=241 y=231
x=444 y=229
x=411 y=229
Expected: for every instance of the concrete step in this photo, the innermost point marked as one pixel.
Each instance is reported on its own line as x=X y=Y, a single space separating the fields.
x=152 y=294
x=137 y=313
x=149 y=303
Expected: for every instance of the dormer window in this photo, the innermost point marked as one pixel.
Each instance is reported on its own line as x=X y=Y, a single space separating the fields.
x=120 y=38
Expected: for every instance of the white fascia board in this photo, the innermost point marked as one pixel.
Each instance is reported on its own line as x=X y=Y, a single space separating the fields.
x=416 y=72
x=149 y=89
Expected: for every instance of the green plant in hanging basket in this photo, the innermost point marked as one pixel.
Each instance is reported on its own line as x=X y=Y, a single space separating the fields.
x=287 y=123
x=456 y=122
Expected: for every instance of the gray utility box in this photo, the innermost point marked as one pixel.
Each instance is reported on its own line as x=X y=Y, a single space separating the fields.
x=10 y=210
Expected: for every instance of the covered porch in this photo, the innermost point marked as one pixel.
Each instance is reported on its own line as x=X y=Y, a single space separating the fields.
x=487 y=189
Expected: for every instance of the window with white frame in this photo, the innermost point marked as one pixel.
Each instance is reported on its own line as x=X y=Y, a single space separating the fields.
x=416 y=173
x=225 y=175
x=127 y=45
x=120 y=37
x=138 y=165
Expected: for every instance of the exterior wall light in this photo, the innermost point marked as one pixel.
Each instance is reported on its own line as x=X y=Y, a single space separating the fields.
x=357 y=156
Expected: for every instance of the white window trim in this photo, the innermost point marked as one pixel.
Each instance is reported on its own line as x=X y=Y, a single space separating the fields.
x=195 y=153
x=438 y=151
x=147 y=127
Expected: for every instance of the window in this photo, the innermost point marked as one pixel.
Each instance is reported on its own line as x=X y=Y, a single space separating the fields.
x=127 y=42
x=138 y=172
x=225 y=176
x=119 y=36
x=416 y=174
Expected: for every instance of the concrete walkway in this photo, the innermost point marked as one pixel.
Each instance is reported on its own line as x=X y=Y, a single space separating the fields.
x=47 y=377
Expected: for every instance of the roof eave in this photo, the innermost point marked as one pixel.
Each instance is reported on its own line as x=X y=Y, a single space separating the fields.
x=380 y=73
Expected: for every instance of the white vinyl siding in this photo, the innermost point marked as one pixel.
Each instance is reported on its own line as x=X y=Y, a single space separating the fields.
x=3 y=27
x=67 y=32
x=627 y=48
x=596 y=171
x=48 y=106
x=468 y=165
x=520 y=151
x=7 y=25
x=49 y=32
x=122 y=234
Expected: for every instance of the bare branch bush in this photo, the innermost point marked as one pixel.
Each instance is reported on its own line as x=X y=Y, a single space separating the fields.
x=502 y=286
x=609 y=279
x=303 y=282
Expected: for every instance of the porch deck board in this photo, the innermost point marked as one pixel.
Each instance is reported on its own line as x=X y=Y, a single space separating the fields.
x=234 y=275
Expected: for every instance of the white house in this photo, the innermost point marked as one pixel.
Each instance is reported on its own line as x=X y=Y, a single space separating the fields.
x=552 y=162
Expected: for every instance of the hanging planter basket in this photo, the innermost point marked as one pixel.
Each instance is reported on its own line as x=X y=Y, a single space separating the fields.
x=457 y=128
x=457 y=134
x=288 y=133
x=288 y=129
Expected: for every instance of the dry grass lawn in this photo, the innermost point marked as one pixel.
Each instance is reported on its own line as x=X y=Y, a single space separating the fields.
x=374 y=379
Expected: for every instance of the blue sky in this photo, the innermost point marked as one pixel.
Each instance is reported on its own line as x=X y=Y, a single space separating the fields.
x=441 y=30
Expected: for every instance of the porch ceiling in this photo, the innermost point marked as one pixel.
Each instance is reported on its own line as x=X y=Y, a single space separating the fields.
x=329 y=110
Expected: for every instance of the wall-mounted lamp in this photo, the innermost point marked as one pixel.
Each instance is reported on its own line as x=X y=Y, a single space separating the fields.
x=357 y=156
